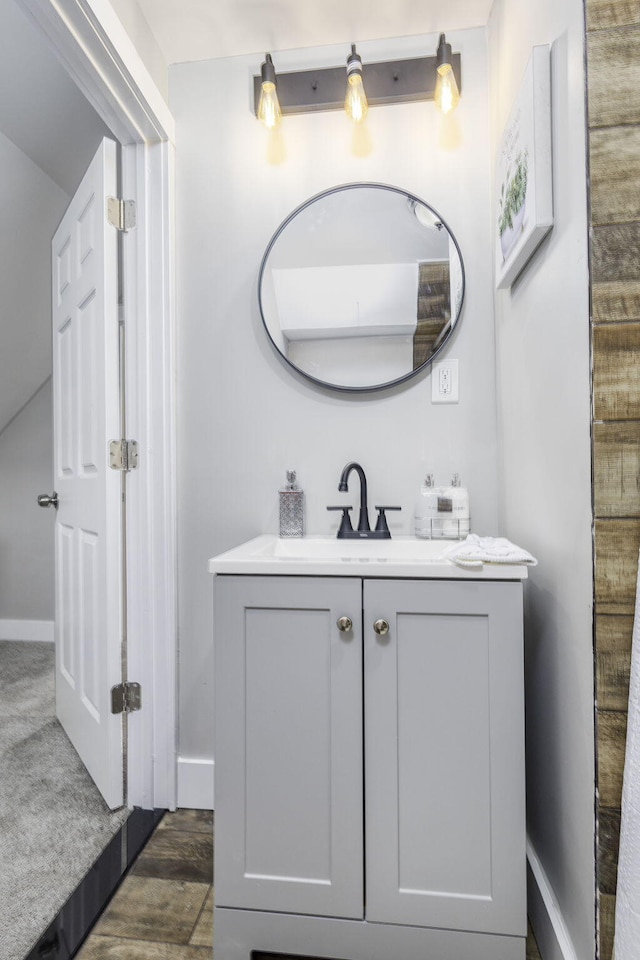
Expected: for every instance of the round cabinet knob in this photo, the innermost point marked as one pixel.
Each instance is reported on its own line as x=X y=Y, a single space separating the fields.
x=344 y=624
x=381 y=627
x=44 y=500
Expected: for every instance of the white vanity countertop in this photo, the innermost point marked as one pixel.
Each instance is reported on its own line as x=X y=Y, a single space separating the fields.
x=324 y=556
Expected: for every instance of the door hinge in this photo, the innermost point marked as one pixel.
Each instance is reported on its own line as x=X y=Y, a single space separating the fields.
x=123 y=455
x=126 y=698
x=121 y=214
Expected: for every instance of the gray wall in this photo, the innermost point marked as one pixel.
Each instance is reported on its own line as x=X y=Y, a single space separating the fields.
x=243 y=418
x=32 y=205
x=542 y=330
x=26 y=531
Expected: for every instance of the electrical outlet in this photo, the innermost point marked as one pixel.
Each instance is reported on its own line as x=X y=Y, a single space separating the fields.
x=444 y=381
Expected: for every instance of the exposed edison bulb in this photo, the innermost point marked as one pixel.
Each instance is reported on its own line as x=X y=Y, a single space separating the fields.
x=269 y=106
x=355 y=101
x=447 y=95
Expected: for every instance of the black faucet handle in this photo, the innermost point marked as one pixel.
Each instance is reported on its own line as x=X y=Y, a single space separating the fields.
x=381 y=524
x=345 y=524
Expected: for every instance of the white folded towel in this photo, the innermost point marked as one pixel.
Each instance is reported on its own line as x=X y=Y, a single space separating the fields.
x=475 y=550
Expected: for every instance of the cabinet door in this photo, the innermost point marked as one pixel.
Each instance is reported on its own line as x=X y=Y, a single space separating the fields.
x=444 y=755
x=288 y=745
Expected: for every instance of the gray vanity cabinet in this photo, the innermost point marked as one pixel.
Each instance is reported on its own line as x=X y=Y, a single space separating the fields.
x=428 y=860
x=288 y=749
x=444 y=755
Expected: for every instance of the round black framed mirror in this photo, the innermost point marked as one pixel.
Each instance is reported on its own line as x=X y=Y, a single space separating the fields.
x=361 y=287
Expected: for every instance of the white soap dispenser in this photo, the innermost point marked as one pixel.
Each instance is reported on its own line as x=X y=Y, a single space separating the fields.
x=426 y=509
x=460 y=516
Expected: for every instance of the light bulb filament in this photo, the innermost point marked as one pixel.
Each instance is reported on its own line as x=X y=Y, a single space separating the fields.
x=447 y=95
x=355 y=102
x=269 y=107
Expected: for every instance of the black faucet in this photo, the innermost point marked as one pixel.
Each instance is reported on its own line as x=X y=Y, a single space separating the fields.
x=343 y=486
x=364 y=531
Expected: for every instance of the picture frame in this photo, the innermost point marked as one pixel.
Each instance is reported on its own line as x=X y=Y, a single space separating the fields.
x=524 y=179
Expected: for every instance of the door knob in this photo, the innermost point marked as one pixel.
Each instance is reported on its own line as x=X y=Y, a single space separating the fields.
x=381 y=627
x=44 y=500
x=345 y=624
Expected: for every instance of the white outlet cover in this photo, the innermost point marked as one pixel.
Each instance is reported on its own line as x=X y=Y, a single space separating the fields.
x=444 y=381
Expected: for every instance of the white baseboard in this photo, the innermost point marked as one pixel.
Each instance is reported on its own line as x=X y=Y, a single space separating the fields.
x=544 y=912
x=41 y=630
x=195 y=784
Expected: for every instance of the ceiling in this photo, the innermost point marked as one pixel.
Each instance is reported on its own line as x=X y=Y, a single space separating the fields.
x=204 y=29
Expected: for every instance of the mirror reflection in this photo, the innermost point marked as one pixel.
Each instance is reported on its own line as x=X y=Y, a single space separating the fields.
x=361 y=286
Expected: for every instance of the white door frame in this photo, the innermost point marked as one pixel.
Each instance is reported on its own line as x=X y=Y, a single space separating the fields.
x=98 y=54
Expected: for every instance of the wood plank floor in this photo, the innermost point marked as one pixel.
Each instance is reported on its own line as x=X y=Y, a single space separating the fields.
x=164 y=908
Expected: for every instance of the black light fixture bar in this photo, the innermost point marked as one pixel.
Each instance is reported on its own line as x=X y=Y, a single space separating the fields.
x=394 y=81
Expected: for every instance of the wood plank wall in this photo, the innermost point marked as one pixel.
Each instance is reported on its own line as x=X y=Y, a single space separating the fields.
x=613 y=82
x=434 y=309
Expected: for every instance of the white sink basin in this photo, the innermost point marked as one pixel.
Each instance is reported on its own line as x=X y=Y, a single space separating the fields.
x=328 y=556
x=329 y=548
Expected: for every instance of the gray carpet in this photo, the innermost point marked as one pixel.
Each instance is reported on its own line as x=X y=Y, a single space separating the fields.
x=27 y=687
x=53 y=821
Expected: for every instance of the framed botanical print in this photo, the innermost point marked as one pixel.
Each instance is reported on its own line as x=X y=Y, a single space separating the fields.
x=524 y=195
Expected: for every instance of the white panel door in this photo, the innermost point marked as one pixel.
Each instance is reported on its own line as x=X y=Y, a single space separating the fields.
x=88 y=527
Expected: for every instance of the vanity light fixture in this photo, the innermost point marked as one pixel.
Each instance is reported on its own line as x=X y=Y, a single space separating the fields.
x=390 y=81
x=355 y=101
x=268 y=104
x=447 y=95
